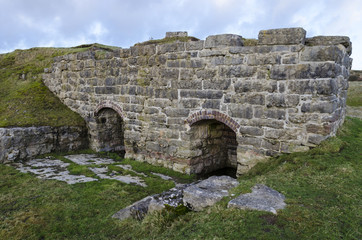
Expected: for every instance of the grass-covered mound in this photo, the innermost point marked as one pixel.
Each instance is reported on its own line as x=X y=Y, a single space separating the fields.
x=24 y=99
x=322 y=189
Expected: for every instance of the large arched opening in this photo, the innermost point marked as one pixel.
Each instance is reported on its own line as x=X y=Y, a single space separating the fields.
x=110 y=131
x=215 y=146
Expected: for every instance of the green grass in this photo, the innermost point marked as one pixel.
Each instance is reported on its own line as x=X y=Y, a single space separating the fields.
x=24 y=99
x=354 y=98
x=167 y=40
x=322 y=189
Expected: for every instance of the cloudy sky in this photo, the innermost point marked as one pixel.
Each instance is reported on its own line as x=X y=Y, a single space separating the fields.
x=65 y=23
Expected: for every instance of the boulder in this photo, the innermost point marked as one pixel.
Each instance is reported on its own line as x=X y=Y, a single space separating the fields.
x=208 y=192
x=141 y=208
x=262 y=198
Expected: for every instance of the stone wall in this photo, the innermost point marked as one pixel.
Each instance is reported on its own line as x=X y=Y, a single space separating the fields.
x=281 y=93
x=27 y=142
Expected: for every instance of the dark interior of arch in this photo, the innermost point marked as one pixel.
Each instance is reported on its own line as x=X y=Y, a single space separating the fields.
x=214 y=146
x=110 y=131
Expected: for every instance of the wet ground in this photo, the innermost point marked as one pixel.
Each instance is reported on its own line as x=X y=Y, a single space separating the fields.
x=50 y=168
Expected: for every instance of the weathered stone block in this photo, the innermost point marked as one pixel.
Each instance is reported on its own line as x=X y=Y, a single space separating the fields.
x=212 y=104
x=189 y=84
x=210 y=94
x=323 y=53
x=282 y=100
x=190 y=103
x=241 y=111
x=258 y=59
x=195 y=45
x=171 y=47
x=330 y=40
x=207 y=74
x=166 y=93
x=176 y=112
x=244 y=86
x=251 y=131
x=304 y=71
x=223 y=40
x=237 y=71
x=282 y=36
x=217 y=84
x=252 y=141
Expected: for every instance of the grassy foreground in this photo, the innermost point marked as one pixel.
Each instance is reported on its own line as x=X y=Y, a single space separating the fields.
x=322 y=189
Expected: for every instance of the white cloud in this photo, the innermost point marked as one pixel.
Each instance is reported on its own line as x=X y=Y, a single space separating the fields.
x=97 y=30
x=123 y=23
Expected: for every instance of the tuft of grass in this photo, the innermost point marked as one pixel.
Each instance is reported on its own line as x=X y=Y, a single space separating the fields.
x=250 y=42
x=167 y=40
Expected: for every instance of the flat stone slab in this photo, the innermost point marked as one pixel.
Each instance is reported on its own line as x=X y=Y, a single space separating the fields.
x=261 y=198
x=208 y=192
x=56 y=169
x=139 y=209
x=102 y=173
x=52 y=169
x=89 y=159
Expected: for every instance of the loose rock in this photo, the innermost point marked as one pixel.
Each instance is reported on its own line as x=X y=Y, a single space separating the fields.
x=262 y=198
x=208 y=192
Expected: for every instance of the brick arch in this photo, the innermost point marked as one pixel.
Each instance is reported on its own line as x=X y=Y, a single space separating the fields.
x=109 y=104
x=213 y=114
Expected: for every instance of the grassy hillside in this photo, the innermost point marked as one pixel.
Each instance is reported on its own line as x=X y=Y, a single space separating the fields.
x=24 y=99
x=354 y=98
x=322 y=188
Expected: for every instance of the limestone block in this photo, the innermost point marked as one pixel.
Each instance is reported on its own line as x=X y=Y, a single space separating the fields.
x=323 y=53
x=176 y=34
x=304 y=71
x=176 y=112
x=237 y=71
x=282 y=36
x=195 y=45
x=278 y=124
x=190 y=103
x=262 y=198
x=316 y=138
x=223 y=40
x=143 y=50
x=217 y=84
x=241 y=111
x=244 y=86
x=251 y=131
x=211 y=104
x=170 y=47
x=203 y=94
x=208 y=192
x=185 y=84
x=330 y=40
x=259 y=59
x=212 y=53
x=166 y=93
x=282 y=100
x=206 y=74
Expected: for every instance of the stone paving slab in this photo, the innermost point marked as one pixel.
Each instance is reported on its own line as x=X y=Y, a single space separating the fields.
x=88 y=159
x=101 y=173
x=56 y=169
x=52 y=169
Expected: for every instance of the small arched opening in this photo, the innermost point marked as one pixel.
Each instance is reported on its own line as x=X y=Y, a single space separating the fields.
x=110 y=131
x=215 y=147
